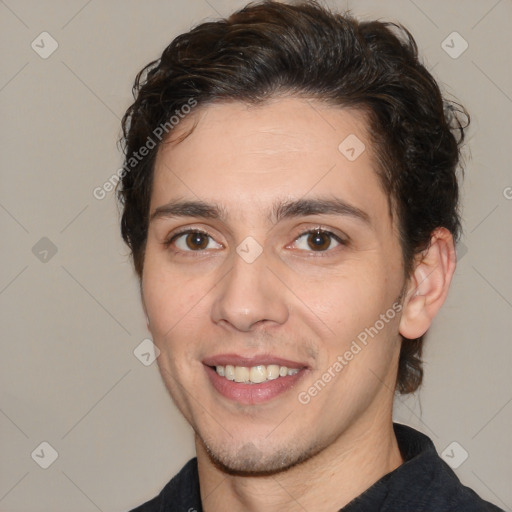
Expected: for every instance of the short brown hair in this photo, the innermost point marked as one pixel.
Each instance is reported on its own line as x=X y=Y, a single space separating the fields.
x=270 y=48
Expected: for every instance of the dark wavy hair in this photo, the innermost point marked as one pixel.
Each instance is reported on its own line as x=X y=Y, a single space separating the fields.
x=271 y=48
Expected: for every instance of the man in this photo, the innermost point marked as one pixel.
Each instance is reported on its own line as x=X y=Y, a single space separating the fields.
x=290 y=201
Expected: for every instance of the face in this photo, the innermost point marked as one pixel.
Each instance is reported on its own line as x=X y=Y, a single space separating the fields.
x=271 y=275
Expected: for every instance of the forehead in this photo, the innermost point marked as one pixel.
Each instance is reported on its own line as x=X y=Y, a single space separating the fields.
x=244 y=158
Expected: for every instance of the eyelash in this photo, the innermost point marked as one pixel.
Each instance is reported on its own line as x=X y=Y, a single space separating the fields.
x=323 y=231
x=187 y=231
x=167 y=243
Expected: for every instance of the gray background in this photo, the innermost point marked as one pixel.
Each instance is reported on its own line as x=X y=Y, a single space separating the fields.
x=71 y=320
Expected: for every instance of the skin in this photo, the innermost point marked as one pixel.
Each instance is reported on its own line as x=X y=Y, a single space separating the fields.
x=293 y=301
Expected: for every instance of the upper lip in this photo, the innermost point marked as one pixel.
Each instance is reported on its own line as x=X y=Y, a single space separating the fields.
x=250 y=361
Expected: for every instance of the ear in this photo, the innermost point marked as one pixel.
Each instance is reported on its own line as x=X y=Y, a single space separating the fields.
x=428 y=284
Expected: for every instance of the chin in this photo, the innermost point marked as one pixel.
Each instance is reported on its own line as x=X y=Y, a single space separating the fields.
x=248 y=459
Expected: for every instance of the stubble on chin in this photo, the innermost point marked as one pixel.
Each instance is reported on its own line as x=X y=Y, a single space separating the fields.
x=249 y=460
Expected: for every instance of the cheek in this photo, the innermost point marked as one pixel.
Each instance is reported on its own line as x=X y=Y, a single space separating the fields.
x=176 y=316
x=345 y=299
x=173 y=301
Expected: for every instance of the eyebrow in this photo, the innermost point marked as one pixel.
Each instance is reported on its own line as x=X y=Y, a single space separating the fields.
x=318 y=206
x=281 y=210
x=182 y=208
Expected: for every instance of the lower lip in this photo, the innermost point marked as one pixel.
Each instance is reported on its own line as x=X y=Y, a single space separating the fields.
x=250 y=394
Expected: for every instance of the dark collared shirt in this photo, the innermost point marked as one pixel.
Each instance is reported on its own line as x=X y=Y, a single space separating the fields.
x=423 y=483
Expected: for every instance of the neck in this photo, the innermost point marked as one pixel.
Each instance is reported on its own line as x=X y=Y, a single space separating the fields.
x=327 y=481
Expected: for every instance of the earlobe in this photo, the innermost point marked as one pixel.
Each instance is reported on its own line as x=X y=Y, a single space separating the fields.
x=428 y=284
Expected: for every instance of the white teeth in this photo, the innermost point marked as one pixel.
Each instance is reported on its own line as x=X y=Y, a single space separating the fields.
x=272 y=371
x=241 y=374
x=258 y=374
x=229 y=371
x=255 y=374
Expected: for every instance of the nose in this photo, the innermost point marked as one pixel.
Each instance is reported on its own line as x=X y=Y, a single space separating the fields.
x=250 y=295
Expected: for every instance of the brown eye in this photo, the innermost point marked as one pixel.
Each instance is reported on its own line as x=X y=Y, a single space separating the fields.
x=196 y=241
x=188 y=241
x=319 y=241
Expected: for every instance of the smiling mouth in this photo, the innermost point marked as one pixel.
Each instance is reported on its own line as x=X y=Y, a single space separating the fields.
x=254 y=374
x=255 y=379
